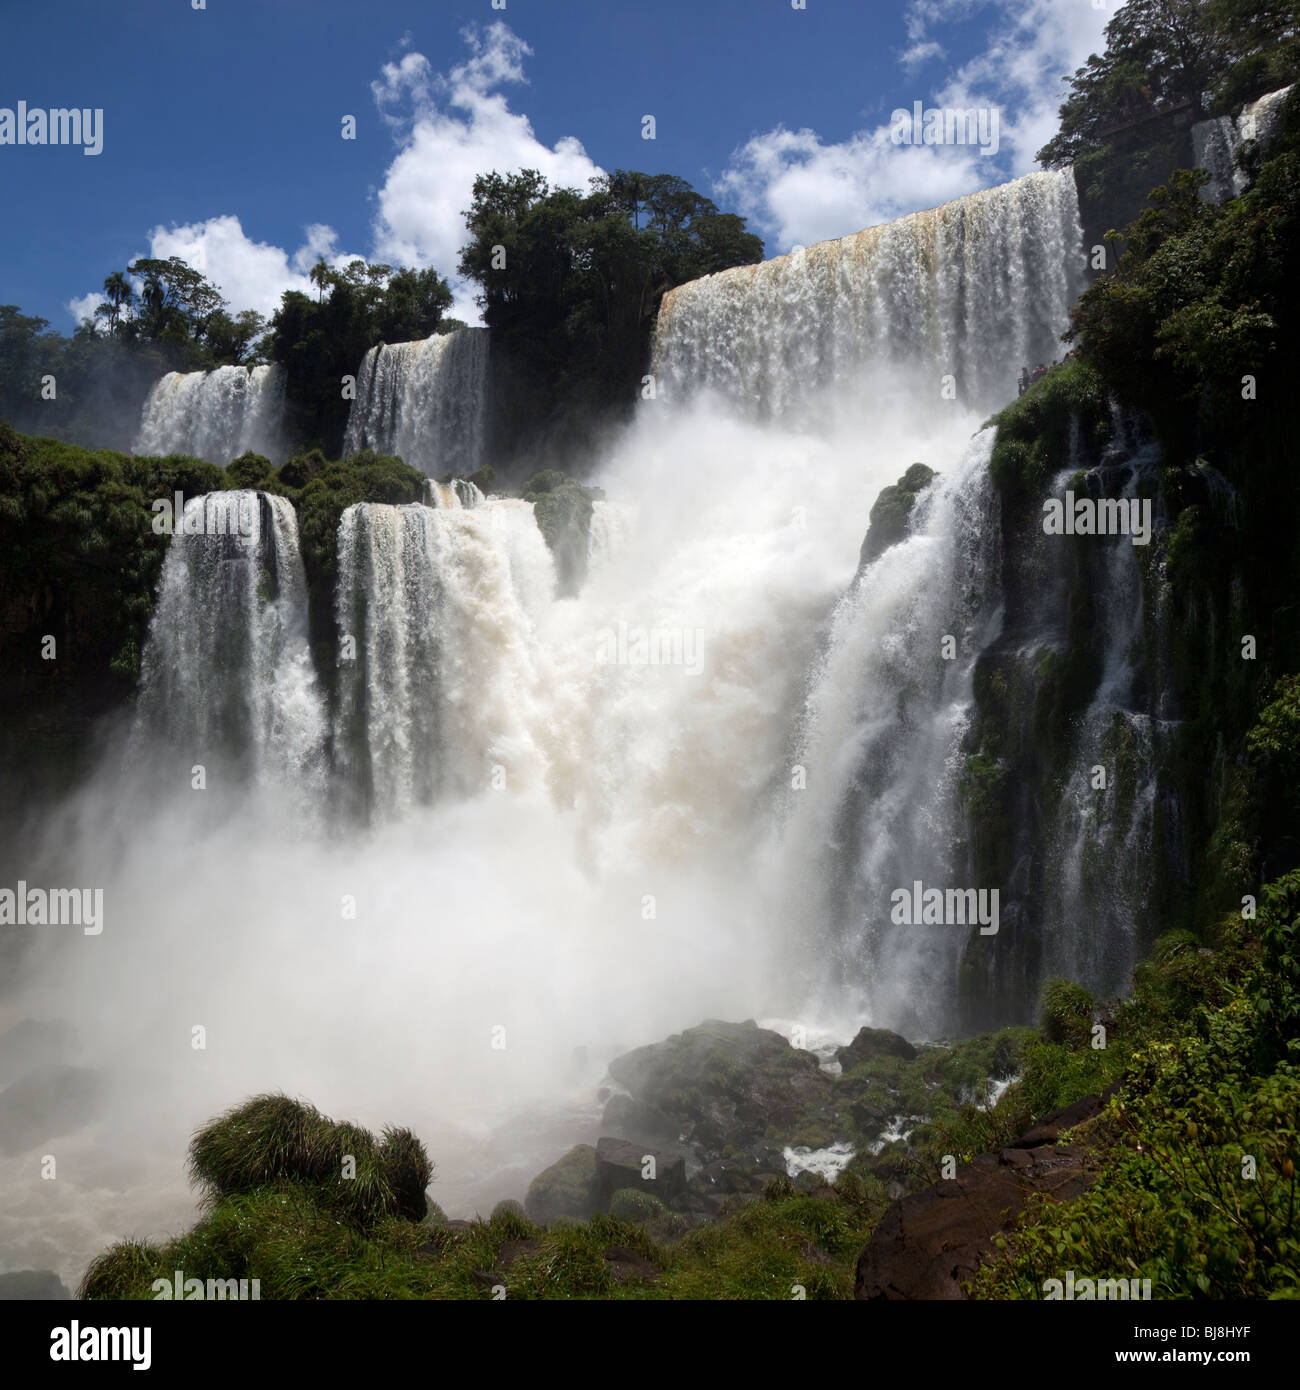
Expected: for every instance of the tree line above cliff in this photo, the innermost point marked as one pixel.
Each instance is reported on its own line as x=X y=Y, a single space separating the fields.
x=570 y=284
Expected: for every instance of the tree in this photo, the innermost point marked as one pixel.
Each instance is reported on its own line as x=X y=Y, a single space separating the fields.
x=320 y=275
x=24 y=352
x=176 y=300
x=570 y=282
x=357 y=307
x=1163 y=54
x=234 y=341
x=120 y=296
x=1261 y=43
x=413 y=306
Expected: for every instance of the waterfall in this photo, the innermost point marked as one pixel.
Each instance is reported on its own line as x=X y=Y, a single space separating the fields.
x=1216 y=143
x=423 y=402
x=1100 y=842
x=726 y=631
x=880 y=742
x=437 y=603
x=215 y=415
x=459 y=665
x=607 y=536
x=459 y=492
x=973 y=290
x=227 y=677
x=1214 y=148
x=690 y=789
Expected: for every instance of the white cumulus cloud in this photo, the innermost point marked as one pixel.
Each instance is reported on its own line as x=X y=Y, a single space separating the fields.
x=451 y=127
x=798 y=188
x=249 y=274
x=84 y=308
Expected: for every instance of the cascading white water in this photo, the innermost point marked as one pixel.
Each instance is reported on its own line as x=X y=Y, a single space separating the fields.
x=460 y=492
x=607 y=536
x=227 y=677
x=438 y=602
x=215 y=415
x=972 y=290
x=1216 y=142
x=423 y=401
x=879 y=745
x=583 y=827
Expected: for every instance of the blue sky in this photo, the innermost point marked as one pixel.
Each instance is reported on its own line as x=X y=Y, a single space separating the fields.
x=222 y=126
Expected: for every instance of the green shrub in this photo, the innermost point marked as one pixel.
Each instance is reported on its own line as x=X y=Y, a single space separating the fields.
x=272 y=1139
x=249 y=470
x=123 y=1271
x=409 y=1171
x=1065 y=1012
x=631 y=1204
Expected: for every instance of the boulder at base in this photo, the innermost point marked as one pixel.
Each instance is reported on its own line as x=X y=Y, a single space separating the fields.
x=871 y=1043
x=566 y=1189
x=716 y=1086
x=620 y=1164
x=927 y=1244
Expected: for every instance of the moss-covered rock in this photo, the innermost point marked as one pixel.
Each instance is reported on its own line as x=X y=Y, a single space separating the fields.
x=891 y=511
x=870 y=1043
x=717 y=1085
x=568 y=1188
x=562 y=507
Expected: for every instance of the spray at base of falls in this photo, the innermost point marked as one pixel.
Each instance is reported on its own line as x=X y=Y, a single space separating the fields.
x=587 y=853
x=215 y=415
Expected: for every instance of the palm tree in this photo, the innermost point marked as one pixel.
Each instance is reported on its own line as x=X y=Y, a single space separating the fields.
x=121 y=296
x=630 y=188
x=320 y=276
x=154 y=298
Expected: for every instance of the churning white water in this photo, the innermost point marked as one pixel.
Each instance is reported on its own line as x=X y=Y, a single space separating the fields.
x=553 y=827
x=423 y=401
x=215 y=415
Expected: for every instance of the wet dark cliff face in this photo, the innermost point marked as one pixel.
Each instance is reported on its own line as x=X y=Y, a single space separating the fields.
x=1106 y=784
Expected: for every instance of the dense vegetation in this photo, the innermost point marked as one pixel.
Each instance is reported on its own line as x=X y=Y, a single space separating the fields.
x=1199 y=1146
x=1190 y=342
x=1167 y=64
